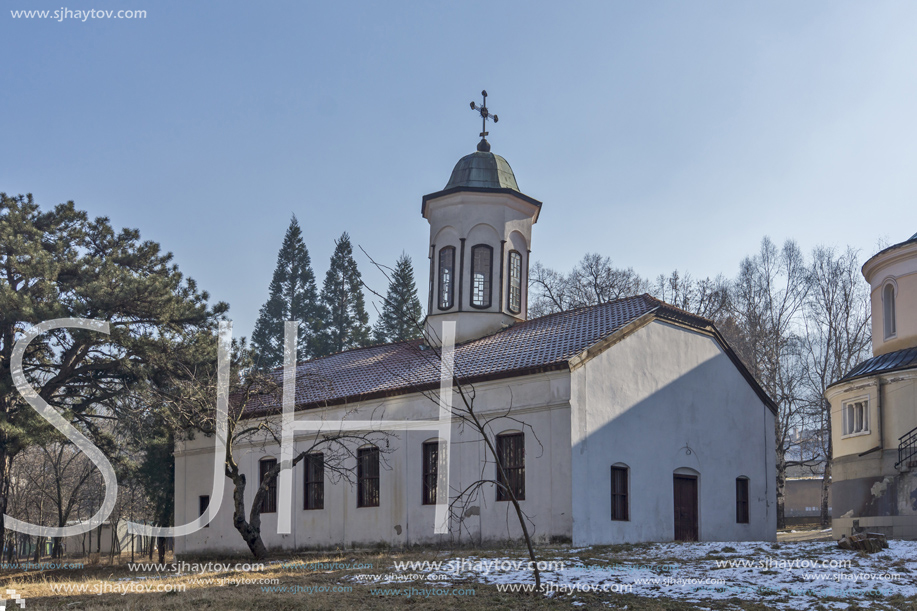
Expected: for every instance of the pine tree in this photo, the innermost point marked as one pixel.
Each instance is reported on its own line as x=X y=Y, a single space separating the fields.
x=292 y=296
x=401 y=311
x=59 y=263
x=345 y=319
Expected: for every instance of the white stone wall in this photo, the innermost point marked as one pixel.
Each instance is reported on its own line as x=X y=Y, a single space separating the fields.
x=541 y=401
x=667 y=398
x=499 y=220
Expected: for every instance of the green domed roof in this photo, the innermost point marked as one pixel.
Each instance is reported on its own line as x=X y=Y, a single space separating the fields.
x=483 y=170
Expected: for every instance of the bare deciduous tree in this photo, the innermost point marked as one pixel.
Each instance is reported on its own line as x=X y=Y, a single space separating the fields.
x=837 y=338
x=709 y=298
x=768 y=297
x=189 y=403
x=483 y=424
x=594 y=280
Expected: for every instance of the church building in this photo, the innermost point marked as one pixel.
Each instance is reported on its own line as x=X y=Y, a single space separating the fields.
x=874 y=409
x=629 y=421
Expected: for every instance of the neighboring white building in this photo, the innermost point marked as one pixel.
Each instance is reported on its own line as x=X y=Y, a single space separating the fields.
x=640 y=423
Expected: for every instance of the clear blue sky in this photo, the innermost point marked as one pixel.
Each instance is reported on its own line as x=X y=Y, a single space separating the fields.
x=662 y=134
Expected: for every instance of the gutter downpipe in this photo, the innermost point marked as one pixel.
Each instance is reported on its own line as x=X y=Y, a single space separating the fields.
x=879 y=412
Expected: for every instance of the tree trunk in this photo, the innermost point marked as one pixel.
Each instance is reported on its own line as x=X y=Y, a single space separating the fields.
x=6 y=467
x=781 y=490
x=826 y=477
x=250 y=530
x=161 y=548
x=825 y=487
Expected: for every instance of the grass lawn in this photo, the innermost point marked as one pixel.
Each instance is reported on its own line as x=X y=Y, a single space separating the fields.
x=643 y=577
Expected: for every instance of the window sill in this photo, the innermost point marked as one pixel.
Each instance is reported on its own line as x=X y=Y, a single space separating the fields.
x=859 y=434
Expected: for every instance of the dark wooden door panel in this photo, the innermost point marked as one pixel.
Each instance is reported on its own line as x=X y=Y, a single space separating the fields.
x=685 y=507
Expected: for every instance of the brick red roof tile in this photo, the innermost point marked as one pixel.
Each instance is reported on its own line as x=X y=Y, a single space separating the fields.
x=541 y=344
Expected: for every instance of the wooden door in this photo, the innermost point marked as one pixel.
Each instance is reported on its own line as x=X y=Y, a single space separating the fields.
x=685 y=507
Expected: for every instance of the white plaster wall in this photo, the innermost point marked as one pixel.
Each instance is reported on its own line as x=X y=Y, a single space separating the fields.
x=661 y=399
x=541 y=401
x=479 y=218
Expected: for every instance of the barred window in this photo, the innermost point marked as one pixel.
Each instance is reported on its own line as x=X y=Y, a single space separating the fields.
x=742 y=500
x=314 y=483
x=431 y=459
x=514 y=290
x=446 y=277
x=203 y=502
x=511 y=452
x=269 y=502
x=368 y=477
x=619 y=500
x=482 y=257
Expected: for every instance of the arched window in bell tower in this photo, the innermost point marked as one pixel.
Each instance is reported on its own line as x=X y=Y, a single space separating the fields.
x=514 y=283
x=888 y=305
x=482 y=257
x=446 y=277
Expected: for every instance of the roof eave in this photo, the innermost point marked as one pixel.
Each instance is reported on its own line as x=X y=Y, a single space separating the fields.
x=505 y=191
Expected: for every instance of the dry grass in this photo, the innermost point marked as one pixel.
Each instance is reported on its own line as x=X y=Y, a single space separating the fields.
x=42 y=589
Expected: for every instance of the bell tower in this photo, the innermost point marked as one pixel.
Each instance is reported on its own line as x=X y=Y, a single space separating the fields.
x=480 y=243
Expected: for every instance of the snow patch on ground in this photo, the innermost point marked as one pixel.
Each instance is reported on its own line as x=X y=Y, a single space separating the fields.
x=788 y=575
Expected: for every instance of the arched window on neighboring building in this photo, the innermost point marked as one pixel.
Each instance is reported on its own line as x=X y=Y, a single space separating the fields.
x=514 y=288
x=446 y=277
x=888 y=303
x=482 y=257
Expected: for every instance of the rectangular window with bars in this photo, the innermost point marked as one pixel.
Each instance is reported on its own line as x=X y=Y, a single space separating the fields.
x=269 y=503
x=314 y=483
x=430 y=471
x=742 y=500
x=446 y=275
x=514 y=294
x=511 y=452
x=368 y=477
x=619 y=506
x=481 y=275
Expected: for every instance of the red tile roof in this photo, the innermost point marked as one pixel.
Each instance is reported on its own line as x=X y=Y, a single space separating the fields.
x=541 y=344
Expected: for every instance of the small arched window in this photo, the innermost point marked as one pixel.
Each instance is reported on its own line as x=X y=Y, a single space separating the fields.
x=514 y=288
x=742 y=500
x=482 y=257
x=268 y=502
x=446 y=277
x=620 y=502
x=888 y=303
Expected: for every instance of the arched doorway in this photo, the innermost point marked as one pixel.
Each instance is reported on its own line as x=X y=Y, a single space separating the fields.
x=685 y=492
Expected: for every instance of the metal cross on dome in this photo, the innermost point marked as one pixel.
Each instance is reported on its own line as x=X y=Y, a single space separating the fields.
x=484 y=145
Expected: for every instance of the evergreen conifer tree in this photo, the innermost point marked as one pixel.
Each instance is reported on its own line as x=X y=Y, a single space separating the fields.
x=292 y=296
x=346 y=324
x=401 y=311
